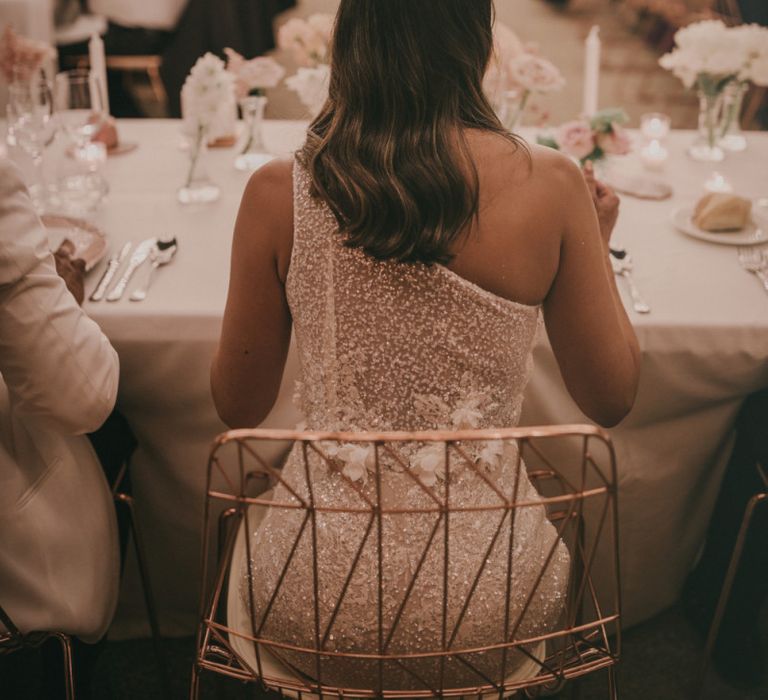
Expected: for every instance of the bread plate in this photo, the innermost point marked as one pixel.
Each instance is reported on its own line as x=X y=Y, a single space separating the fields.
x=753 y=234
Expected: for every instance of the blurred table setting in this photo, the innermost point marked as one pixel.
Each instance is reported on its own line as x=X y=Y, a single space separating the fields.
x=705 y=347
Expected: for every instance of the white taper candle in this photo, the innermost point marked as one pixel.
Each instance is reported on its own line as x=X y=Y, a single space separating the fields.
x=592 y=72
x=99 y=67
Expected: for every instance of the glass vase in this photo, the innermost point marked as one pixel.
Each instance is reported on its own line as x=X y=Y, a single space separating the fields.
x=706 y=147
x=731 y=136
x=198 y=188
x=514 y=108
x=254 y=153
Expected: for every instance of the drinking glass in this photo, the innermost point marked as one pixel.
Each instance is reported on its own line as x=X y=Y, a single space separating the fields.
x=30 y=117
x=79 y=105
x=81 y=112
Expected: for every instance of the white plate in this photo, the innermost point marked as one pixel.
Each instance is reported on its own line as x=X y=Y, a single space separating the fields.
x=90 y=242
x=753 y=234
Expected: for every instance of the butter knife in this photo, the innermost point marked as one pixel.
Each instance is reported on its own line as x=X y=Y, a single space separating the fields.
x=140 y=254
x=113 y=265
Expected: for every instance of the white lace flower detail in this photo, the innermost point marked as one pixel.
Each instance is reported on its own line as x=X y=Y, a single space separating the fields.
x=491 y=454
x=468 y=414
x=357 y=459
x=429 y=463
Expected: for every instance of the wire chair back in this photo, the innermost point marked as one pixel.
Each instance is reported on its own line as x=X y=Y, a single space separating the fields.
x=578 y=497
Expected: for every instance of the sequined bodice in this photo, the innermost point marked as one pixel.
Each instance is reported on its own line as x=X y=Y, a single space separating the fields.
x=393 y=346
x=390 y=346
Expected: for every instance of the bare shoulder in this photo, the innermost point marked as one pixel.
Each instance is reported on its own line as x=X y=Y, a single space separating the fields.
x=552 y=168
x=265 y=219
x=272 y=182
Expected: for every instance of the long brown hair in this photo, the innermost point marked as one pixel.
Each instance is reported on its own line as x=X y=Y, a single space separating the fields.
x=388 y=152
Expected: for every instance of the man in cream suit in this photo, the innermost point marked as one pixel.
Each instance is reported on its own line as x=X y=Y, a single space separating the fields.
x=59 y=559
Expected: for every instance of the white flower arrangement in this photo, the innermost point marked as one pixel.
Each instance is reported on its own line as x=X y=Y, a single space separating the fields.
x=308 y=40
x=309 y=43
x=254 y=75
x=311 y=85
x=208 y=91
x=709 y=55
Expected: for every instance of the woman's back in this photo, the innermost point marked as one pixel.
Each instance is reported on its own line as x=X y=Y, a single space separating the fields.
x=392 y=346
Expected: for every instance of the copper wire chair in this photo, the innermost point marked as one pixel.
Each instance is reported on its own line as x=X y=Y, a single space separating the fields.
x=14 y=640
x=579 y=498
x=759 y=499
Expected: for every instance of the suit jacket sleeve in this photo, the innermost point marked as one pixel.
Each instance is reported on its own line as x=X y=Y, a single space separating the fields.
x=57 y=364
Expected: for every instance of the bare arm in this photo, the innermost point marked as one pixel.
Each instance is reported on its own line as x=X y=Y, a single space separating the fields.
x=592 y=338
x=249 y=362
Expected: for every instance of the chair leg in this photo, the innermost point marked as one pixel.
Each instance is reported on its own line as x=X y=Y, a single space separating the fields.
x=725 y=593
x=194 y=685
x=613 y=690
x=69 y=675
x=149 y=598
x=158 y=88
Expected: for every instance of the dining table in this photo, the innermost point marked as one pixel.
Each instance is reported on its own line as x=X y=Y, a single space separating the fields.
x=704 y=349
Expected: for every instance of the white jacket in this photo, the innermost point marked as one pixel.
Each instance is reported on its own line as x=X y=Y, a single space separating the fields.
x=59 y=559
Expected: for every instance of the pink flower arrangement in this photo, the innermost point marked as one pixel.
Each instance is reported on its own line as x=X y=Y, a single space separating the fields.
x=592 y=139
x=308 y=40
x=516 y=70
x=576 y=139
x=255 y=74
x=20 y=57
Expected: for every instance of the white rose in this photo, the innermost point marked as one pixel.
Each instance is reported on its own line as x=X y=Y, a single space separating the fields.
x=311 y=85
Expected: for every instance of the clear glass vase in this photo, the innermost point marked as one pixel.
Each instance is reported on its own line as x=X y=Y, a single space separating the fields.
x=254 y=153
x=731 y=136
x=707 y=147
x=513 y=108
x=198 y=188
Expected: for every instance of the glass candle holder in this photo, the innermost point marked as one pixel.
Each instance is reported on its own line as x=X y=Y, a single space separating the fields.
x=655 y=126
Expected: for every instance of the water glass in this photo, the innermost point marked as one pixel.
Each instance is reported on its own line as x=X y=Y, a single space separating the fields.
x=30 y=120
x=79 y=105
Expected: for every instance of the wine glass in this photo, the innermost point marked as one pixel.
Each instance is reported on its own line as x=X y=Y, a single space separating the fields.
x=79 y=102
x=30 y=116
x=80 y=111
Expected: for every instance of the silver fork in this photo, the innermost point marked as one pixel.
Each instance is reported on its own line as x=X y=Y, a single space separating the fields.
x=753 y=260
x=623 y=267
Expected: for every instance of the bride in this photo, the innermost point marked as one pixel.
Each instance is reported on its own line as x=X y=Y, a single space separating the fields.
x=412 y=245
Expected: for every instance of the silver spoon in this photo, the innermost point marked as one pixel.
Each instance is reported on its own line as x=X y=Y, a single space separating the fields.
x=161 y=255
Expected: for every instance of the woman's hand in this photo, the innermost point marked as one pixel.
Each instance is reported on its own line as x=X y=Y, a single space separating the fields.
x=606 y=202
x=71 y=270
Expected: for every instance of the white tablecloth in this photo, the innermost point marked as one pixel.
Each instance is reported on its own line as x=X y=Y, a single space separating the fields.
x=704 y=347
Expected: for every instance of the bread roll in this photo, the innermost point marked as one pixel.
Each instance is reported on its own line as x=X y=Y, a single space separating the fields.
x=722 y=212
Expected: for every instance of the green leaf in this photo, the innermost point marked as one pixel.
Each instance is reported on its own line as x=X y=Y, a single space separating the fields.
x=548 y=141
x=604 y=120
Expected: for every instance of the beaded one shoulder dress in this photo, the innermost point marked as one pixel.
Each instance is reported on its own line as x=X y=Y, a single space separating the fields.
x=393 y=346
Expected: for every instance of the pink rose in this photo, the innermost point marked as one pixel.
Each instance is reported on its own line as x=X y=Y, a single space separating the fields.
x=575 y=139
x=535 y=74
x=615 y=142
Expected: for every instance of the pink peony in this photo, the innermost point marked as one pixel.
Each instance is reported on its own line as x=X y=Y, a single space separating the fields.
x=616 y=142
x=535 y=74
x=258 y=73
x=576 y=139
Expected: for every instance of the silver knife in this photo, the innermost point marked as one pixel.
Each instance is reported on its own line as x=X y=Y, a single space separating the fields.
x=113 y=265
x=140 y=254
